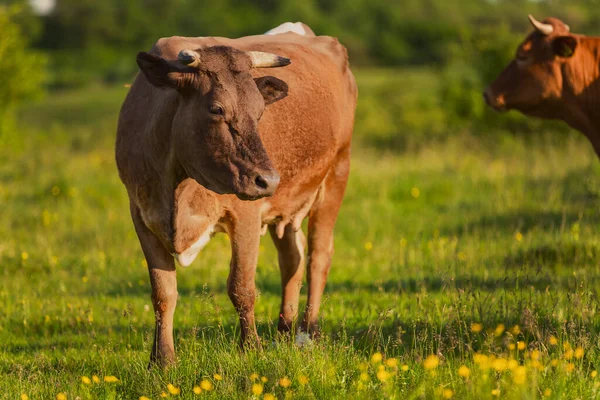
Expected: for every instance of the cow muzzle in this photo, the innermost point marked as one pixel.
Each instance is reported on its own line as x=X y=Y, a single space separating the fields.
x=496 y=102
x=258 y=185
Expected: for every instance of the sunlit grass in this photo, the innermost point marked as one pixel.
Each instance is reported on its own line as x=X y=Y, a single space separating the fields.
x=464 y=268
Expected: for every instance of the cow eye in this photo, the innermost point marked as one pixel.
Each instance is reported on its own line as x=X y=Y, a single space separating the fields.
x=216 y=109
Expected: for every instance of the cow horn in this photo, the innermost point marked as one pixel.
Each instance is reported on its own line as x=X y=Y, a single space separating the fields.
x=189 y=58
x=267 y=60
x=545 y=29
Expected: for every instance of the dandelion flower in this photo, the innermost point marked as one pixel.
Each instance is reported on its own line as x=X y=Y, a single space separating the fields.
x=217 y=377
x=496 y=392
x=415 y=192
x=464 y=371
x=515 y=330
x=404 y=368
x=569 y=354
x=61 y=396
x=377 y=357
x=511 y=346
x=111 y=379
x=143 y=398
x=476 y=327
x=553 y=340
x=519 y=375
x=206 y=385
x=197 y=390
x=163 y=395
x=24 y=256
x=593 y=374
x=303 y=379
x=447 y=393
x=285 y=382
x=518 y=236
x=579 y=352
x=254 y=376
x=257 y=389
x=364 y=377
x=391 y=362
x=554 y=362
x=368 y=246
x=547 y=393
x=173 y=389
x=86 y=380
x=521 y=345
x=499 y=330
x=570 y=367
x=269 y=396
x=431 y=362
x=264 y=379
x=24 y=396
x=95 y=379
x=383 y=375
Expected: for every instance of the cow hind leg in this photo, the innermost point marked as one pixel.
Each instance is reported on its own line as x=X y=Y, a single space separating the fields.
x=163 y=280
x=321 y=222
x=290 y=249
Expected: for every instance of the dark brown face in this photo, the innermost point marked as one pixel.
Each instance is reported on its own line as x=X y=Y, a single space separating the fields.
x=533 y=82
x=215 y=128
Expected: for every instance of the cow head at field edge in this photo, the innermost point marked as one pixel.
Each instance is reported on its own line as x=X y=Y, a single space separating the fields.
x=533 y=82
x=214 y=132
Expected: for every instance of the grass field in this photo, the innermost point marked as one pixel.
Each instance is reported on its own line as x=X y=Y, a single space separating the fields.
x=465 y=268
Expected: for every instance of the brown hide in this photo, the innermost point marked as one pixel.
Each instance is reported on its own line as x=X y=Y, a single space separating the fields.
x=554 y=76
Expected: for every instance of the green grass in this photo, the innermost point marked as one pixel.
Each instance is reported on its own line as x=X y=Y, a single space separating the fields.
x=504 y=230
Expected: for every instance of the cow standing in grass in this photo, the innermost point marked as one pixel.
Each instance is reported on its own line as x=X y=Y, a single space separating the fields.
x=555 y=75
x=210 y=141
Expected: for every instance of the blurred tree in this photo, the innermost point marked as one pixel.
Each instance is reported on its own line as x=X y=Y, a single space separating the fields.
x=22 y=70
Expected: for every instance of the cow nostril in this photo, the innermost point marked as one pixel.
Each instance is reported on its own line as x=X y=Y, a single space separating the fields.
x=261 y=182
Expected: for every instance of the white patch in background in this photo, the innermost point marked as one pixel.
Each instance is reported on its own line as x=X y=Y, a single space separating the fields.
x=295 y=27
x=42 y=7
x=303 y=339
x=188 y=256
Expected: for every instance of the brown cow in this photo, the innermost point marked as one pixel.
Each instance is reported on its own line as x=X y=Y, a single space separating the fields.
x=191 y=151
x=554 y=76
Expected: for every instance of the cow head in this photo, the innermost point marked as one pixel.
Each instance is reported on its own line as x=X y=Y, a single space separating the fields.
x=214 y=133
x=533 y=82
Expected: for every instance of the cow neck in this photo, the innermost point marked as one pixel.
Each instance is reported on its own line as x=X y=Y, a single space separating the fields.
x=582 y=75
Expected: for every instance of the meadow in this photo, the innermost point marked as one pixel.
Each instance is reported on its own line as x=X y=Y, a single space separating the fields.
x=466 y=267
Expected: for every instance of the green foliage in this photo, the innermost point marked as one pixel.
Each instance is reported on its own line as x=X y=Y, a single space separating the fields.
x=22 y=70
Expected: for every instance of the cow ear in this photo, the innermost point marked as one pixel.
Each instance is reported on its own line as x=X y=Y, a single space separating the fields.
x=159 y=71
x=564 y=46
x=271 y=88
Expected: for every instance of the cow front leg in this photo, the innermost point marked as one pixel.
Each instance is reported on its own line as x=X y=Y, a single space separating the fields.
x=245 y=240
x=290 y=250
x=164 y=292
x=321 y=222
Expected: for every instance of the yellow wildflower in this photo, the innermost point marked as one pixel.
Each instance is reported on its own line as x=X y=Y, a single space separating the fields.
x=570 y=367
x=553 y=340
x=24 y=396
x=521 y=345
x=86 y=380
x=447 y=393
x=391 y=362
x=303 y=379
x=579 y=352
x=24 y=256
x=217 y=377
x=404 y=368
x=383 y=375
x=254 y=376
x=264 y=379
x=364 y=377
x=547 y=393
x=499 y=330
x=111 y=379
x=515 y=330
x=61 y=396
x=377 y=357
x=95 y=379
x=512 y=364
x=518 y=236
x=257 y=389
x=269 y=396
x=431 y=362
x=173 y=389
x=519 y=375
x=143 y=398
x=534 y=355
x=368 y=246
x=163 y=395
x=206 y=385
x=554 y=362
x=415 y=192
x=476 y=327
x=285 y=382
x=594 y=373
x=496 y=392
x=511 y=346
x=500 y=364
x=464 y=371
x=566 y=346
x=569 y=354
x=197 y=390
